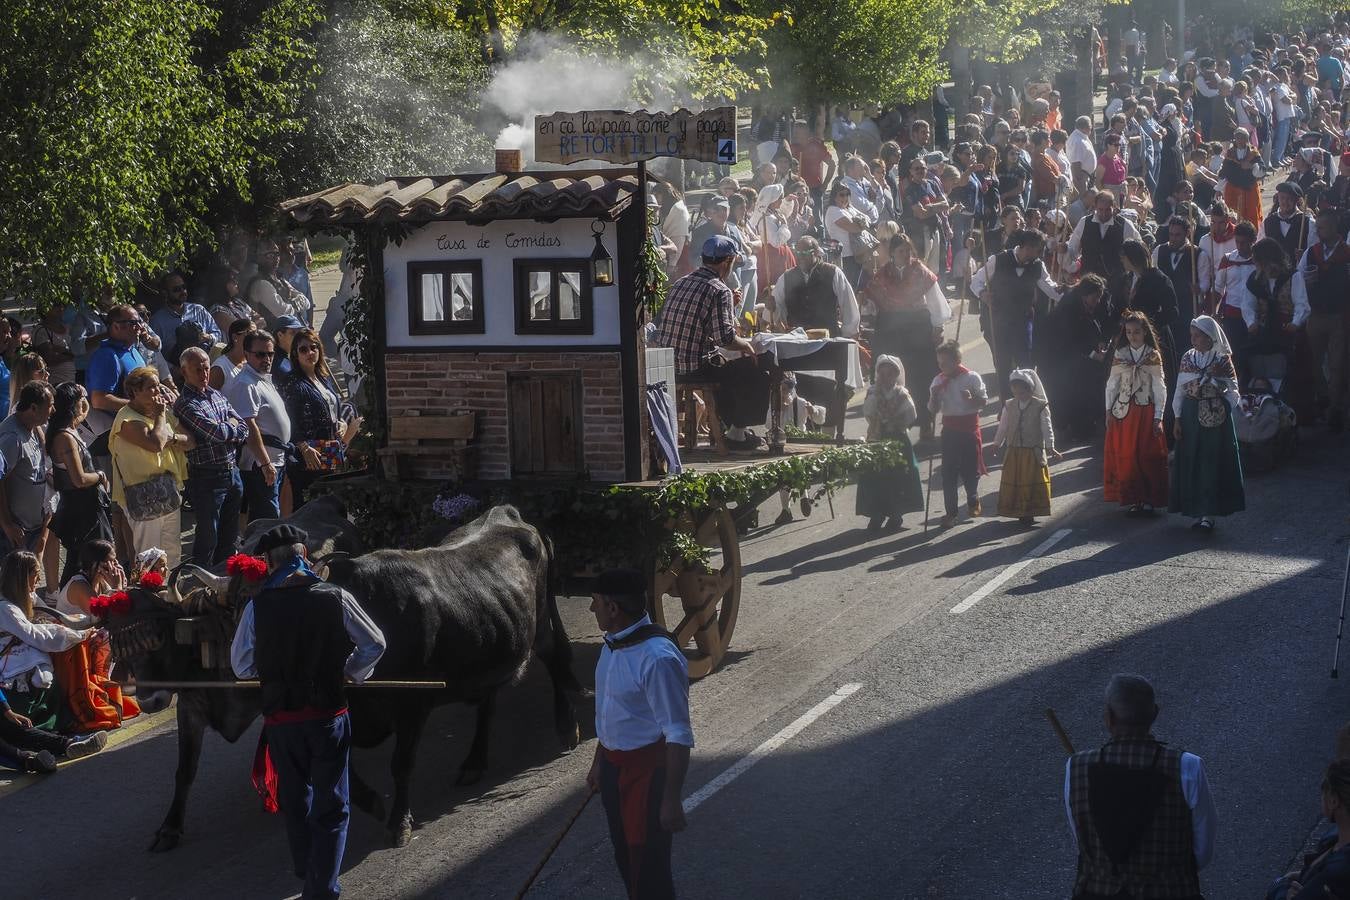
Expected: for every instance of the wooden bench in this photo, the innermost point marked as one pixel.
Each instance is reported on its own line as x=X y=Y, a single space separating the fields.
x=687 y=408
x=445 y=437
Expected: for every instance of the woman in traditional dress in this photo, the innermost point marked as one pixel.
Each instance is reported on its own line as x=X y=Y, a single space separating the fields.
x=1136 y=398
x=1207 y=481
x=885 y=495
x=1024 y=487
x=47 y=668
x=770 y=228
x=1242 y=176
x=911 y=309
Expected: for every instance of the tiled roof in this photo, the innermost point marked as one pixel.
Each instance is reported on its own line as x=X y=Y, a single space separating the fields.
x=520 y=195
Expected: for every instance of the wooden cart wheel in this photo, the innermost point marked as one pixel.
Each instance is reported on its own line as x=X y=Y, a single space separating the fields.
x=709 y=600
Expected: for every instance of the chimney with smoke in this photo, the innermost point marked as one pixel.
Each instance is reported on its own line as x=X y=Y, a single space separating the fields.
x=510 y=160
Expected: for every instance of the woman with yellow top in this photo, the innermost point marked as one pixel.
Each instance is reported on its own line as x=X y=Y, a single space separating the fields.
x=148 y=450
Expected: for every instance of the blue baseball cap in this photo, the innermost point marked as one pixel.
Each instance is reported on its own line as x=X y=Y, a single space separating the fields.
x=290 y=322
x=719 y=247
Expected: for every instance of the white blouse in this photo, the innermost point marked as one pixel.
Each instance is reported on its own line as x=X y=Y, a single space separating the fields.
x=25 y=647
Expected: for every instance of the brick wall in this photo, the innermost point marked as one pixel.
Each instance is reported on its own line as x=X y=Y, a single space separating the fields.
x=435 y=382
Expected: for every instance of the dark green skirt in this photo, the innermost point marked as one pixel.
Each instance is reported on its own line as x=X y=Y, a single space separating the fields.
x=1207 y=471
x=42 y=706
x=891 y=492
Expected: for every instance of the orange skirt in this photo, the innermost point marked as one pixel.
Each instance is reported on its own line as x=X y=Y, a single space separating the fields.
x=93 y=701
x=1245 y=202
x=1136 y=459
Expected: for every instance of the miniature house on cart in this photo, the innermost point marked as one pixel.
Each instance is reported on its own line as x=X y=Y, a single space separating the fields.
x=506 y=334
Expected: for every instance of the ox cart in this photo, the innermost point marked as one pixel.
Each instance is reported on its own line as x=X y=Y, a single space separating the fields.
x=499 y=321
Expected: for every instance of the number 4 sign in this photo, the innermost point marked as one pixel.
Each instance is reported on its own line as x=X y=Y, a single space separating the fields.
x=726 y=151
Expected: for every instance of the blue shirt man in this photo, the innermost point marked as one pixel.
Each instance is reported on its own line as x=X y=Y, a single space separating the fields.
x=178 y=310
x=110 y=364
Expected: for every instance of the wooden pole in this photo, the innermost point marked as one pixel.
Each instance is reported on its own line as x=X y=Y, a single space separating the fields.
x=928 y=504
x=1059 y=731
x=253 y=685
x=548 y=854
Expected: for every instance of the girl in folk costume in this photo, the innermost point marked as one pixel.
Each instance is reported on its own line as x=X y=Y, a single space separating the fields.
x=770 y=227
x=1136 y=398
x=1241 y=170
x=1207 y=480
x=1024 y=489
x=911 y=309
x=959 y=394
x=887 y=494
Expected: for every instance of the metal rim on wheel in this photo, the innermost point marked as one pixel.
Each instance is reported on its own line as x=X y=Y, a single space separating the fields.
x=709 y=600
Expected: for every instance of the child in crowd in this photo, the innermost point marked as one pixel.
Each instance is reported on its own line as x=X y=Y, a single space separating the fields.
x=959 y=394
x=1024 y=489
x=886 y=495
x=1136 y=398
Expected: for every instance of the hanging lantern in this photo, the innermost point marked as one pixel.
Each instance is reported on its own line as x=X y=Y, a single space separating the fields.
x=602 y=265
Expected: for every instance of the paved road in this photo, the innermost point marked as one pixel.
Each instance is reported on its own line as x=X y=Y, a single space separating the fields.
x=937 y=777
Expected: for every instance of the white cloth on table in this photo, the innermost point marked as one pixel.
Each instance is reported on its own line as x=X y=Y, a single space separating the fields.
x=795 y=343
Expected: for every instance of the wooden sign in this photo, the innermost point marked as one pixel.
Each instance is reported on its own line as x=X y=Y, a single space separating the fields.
x=626 y=137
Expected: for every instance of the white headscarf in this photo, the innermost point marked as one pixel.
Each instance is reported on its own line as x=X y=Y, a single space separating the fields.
x=887 y=360
x=147 y=560
x=1031 y=380
x=1214 y=331
x=768 y=195
x=1168 y=111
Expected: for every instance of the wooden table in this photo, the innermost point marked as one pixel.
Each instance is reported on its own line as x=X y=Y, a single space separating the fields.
x=832 y=356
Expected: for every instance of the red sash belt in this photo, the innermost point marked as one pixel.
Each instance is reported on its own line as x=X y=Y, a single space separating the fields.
x=636 y=769
x=969 y=423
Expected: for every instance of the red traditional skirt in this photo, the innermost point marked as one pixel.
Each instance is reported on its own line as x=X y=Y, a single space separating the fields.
x=1136 y=459
x=94 y=702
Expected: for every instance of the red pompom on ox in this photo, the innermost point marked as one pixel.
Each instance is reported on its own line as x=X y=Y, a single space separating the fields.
x=253 y=568
x=152 y=580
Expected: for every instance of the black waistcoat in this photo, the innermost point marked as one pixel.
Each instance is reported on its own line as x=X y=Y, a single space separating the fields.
x=811 y=302
x=300 y=647
x=1101 y=255
x=1014 y=295
x=1295 y=241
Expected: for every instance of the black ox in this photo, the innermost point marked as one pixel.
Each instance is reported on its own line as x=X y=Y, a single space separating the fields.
x=469 y=612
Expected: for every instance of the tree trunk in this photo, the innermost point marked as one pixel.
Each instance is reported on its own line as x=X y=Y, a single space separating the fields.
x=1155 y=45
x=963 y=83
x=1076 y=92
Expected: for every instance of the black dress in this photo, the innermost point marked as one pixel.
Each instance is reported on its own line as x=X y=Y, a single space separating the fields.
x=1074 y=382
x=1171 y=168
x=82 y=512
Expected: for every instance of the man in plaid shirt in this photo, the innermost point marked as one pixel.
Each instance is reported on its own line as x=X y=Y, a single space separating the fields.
x=213 y=485
x=699 y=317
x=1139 y=810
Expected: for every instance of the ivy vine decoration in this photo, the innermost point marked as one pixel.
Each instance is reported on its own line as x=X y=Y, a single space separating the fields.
x=652 y=280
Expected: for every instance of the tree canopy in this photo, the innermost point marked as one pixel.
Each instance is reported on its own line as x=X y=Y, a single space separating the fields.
x=122 y=121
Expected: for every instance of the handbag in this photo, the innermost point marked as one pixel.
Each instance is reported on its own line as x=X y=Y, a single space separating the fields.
x=863 y=243
x=332 y=454
x=151 y=499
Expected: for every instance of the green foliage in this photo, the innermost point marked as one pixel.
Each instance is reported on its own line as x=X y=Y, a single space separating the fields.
x=122 y=121
x=594 y=527
x=652 y=280
x=858 y=51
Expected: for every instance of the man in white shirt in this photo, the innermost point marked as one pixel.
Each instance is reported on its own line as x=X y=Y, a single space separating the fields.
x=1149 y=825
x=643 y=731
x=1010 y=285
x=254 y=397
x=1081 y=154
x=816 y=294
x=1094 y=246
x=1282 y=102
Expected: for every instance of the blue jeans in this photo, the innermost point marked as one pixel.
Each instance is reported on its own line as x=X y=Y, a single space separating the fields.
x=1280 y=142
x=312 y=790
x=215 y=495
x=264 y=501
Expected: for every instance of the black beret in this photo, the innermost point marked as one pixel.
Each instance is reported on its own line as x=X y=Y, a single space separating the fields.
x=281 y=536
x=620 y=583
x=1289 y=188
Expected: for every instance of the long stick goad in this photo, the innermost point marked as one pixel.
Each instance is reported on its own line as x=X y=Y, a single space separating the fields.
x=1059 y=731
x=247 y=685
x=548 y=854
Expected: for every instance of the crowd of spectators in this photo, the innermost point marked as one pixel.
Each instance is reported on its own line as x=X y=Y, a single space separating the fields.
x=210 y=405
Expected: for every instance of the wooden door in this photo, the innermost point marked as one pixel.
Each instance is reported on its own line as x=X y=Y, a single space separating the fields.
x=545 y=416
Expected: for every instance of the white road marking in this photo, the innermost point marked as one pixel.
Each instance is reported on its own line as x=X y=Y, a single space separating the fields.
x=743 y=765
x=1007 y=574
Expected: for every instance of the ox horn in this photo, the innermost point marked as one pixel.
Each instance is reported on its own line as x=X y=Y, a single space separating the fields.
x=219 y=584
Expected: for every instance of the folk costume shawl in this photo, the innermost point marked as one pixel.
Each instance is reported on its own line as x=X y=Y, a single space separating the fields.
x=1213 y=366
x=1136 y=377
x=888 y=411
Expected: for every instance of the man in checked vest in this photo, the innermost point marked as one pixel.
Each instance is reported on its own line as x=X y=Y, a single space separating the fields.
x=1139 y=810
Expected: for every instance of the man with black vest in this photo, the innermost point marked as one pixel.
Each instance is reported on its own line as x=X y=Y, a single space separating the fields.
x=816 y=294
x=1096 y=241
x=1326 y=274
x=296 y=637
x=1177 y=260
x=1010 y=285
x=1287 y=224
x=642 y=723
x=1140 y=811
